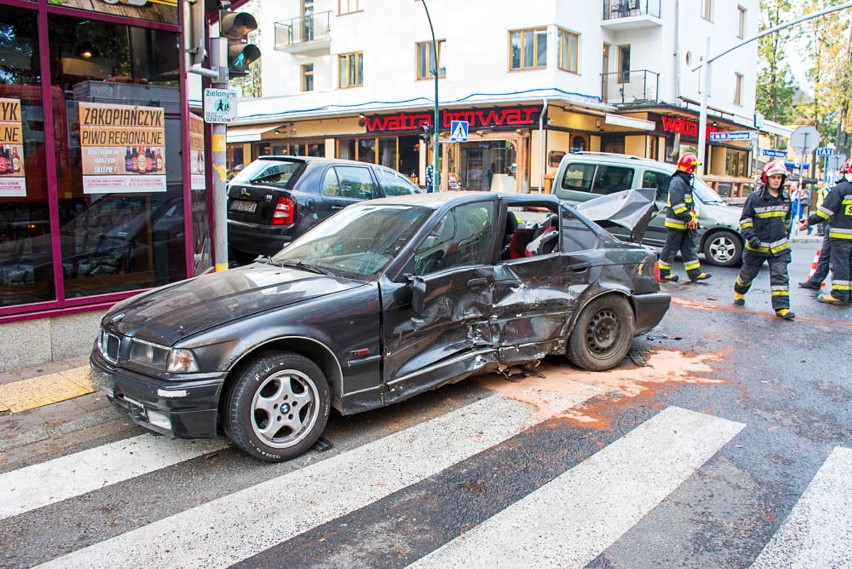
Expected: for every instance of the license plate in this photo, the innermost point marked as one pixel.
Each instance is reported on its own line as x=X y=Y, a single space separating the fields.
x=239 y=205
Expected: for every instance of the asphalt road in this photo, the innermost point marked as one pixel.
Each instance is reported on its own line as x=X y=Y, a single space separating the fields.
x=726 y=441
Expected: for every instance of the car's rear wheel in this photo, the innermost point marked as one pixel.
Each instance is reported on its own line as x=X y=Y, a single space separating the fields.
x=602 y=334
x=723 y=248
x=278 y=406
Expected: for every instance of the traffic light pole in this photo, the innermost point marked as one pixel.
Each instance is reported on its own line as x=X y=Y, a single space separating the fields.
x=436 y=174
x=219 y=59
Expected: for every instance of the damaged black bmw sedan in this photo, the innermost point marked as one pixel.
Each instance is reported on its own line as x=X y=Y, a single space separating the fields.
x=387 y=299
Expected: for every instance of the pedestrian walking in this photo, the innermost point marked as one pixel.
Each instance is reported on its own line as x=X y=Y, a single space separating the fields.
x=764 y=223
x=430 y=178
x=837 y=210
x=682 y=223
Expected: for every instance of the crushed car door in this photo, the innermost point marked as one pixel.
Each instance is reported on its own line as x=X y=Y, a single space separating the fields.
x=442 y=335
x=536 y=295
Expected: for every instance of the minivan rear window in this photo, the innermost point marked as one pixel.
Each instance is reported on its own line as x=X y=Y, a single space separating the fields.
x=578 y=177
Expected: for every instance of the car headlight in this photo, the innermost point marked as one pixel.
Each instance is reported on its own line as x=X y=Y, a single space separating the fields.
x=181 y=361
x=148 y=354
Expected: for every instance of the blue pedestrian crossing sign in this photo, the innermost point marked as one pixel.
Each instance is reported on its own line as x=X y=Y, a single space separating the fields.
x=458 y=131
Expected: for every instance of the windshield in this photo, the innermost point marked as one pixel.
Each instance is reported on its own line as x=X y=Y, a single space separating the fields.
x=705 y=193
x=358 y=242
x=269 y=172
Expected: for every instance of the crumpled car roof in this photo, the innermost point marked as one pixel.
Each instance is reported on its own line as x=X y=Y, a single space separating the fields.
x=630 y=209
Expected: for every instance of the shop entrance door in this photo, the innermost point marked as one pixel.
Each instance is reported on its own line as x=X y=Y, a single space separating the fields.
x=487 y=165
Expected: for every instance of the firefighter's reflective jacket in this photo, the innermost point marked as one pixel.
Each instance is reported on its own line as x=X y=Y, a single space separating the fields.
x=680 y=210
x=836 y=207
x=766 y=217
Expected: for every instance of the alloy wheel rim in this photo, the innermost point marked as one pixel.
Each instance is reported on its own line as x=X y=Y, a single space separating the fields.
x=284 y=408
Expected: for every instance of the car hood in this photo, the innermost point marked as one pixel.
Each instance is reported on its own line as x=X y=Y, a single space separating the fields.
x=168 y=315
x=630 y=209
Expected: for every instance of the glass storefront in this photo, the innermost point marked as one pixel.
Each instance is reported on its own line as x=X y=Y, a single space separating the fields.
x=92 y=188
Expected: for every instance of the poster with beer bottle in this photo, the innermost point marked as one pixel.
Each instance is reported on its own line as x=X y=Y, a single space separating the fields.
x=122 y=147
x=12 y=176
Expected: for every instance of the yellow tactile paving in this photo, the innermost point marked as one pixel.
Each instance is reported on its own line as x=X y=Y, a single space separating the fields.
x=45 y=389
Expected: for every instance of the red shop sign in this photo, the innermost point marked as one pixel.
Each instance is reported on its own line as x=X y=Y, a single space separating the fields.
x=685 y=127
x=477 y=118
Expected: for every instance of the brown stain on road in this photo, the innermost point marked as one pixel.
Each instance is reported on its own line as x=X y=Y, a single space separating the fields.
x=554 y=382
x=733 y=309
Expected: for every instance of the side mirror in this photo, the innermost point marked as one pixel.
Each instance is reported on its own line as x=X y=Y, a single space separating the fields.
x=418 y=293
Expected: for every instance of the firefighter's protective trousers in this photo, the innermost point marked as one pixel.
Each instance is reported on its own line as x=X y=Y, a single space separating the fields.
x=779 y=281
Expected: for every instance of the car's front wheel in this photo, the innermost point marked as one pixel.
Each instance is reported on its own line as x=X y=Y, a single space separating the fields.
x=278 y=406
x=723 y=248
x=603 y=333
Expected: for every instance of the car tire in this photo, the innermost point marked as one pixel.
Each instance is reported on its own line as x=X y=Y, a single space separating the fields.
x=277 y=407
x=723 y=248
x=603 y=333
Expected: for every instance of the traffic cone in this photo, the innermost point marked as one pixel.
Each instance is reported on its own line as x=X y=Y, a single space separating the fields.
x=814 y=265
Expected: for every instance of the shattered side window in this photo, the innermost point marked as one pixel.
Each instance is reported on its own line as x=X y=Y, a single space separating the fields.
x=576 y=234
x=461 y=238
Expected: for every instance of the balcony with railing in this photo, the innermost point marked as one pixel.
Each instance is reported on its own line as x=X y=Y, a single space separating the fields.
x=308 y=35
x=619 y=15
x=630 y=87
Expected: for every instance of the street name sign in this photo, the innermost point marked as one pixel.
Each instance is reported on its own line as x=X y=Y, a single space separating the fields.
x=736 y=135
x=773 y=153
x=458 y=131
x=220 y=106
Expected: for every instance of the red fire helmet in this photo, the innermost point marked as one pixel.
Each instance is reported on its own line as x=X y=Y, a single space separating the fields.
x=772 y=168
x=687 y=162
x=847 y=167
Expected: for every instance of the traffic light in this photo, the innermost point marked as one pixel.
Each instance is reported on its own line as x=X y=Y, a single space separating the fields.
x=426 y=134
x=236 y=26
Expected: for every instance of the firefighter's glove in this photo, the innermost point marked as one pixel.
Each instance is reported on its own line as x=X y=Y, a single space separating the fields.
x=754 y=241
x=692 y=224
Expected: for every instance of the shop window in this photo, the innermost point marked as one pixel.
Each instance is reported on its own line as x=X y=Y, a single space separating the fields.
x=578 y=144
x=528 y=49
x=351 y=69
x=26 y=251
x=569 y=51
x=387 y=152
x=346 y=148
x=425 y=69
x=119 y=160
x=367 y=150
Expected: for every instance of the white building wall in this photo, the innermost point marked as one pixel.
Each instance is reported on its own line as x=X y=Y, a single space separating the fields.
x=476 y=52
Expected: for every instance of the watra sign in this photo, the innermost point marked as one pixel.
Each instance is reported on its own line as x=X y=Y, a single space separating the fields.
x=496 y=117
x=684 y=127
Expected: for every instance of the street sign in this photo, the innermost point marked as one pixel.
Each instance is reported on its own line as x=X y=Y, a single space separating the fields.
x=805 y=139
x=736 y=135
x=825 y=151
x=220 y=106
x=773 y=153
x=458 y=131
x=836 y=161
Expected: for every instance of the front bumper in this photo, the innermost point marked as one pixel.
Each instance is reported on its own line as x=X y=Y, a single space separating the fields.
x=650 y=309
x=182 y=409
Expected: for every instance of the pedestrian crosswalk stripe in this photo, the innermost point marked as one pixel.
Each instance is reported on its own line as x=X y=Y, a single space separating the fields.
x=818 y=531
x=232 y=528
x=572 y=519
x=49 y=482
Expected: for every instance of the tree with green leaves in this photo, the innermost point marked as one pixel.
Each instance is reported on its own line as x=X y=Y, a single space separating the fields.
x=776 y=85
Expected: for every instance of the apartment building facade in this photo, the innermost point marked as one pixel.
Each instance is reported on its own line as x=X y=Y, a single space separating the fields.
x=355 y=79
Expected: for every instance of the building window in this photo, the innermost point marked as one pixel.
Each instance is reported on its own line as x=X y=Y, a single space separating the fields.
x=424 y=60
x=528 y=49
x=624 y=64
x=738 y=89
x=348 y=6
x=308 y=20
x=569 y=50
x=308 y=77
x=351 y=68
x=741 y=22
x=707 y=9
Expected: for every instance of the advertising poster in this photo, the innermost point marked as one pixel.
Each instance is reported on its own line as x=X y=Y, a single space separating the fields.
x=123 y=148
x=164 y=11
x=12 y=178
x=196 y=152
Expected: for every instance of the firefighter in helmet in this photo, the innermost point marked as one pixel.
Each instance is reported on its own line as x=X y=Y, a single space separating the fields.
x=837 y=209
x=764 y=223
x=682 y=223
